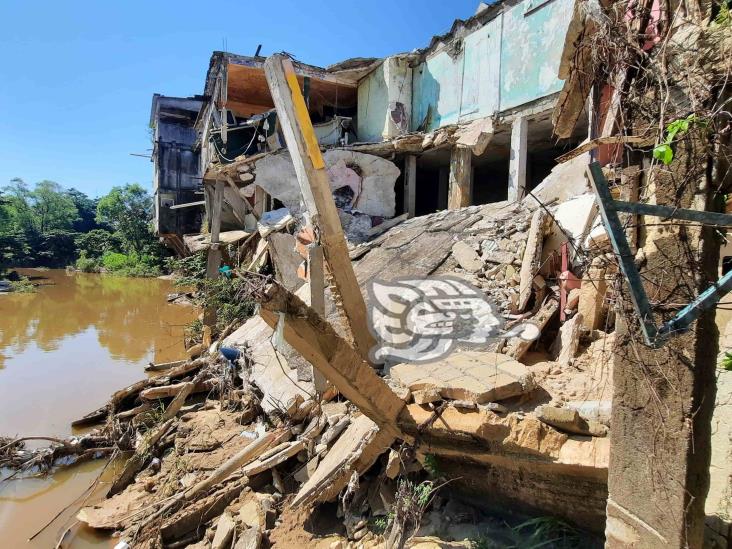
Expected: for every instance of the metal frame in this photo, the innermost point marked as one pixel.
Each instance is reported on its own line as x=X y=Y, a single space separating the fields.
x=609 y=208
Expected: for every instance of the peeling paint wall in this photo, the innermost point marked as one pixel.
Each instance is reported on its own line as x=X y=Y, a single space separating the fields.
x=378 y=94
x=513 y=59
x=373 y=102
x=533 y=39
x=459 y=87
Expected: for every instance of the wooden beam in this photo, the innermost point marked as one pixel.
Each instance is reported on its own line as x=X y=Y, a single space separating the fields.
x=461 y=177
x=316 y=340
x=213 y=259
x=316 y=274
x=410 y=184
x=312 y=176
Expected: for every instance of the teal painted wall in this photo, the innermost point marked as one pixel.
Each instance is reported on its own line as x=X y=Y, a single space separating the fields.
x=437 y=83
x=481 y=72
x=373 y=103
x=533 y=39
x=511 y=60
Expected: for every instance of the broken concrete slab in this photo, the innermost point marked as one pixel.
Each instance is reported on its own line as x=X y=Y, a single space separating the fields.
x=531 y=262
x=474 y=376
x=476 y=135
x=573 y=221
x=276 y=175
x=224 y=531
x=269 y=371
x=466 y=257
x=566 y=419
x=565 y=181
x=567 y=342
x=356 y=450
x=592 y=295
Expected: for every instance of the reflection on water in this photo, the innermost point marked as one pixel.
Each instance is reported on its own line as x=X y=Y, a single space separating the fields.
x=63 y=351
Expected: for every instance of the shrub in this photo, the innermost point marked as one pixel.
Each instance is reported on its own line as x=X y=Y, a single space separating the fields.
x=23 y=285
x=130 y=264
x=87 y=264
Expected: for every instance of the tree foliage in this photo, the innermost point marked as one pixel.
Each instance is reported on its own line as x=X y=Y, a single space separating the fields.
x=128 y=210
x=50 y=226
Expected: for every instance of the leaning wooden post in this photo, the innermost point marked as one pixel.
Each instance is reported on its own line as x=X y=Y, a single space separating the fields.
x=312 y=175
x=214 y=257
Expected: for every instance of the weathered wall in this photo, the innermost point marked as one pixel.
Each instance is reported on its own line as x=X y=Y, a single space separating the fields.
x=378 y=93
x=533 y=39
x=511 y=60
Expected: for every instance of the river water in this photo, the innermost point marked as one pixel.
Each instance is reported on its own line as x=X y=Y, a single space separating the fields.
x=63 y=351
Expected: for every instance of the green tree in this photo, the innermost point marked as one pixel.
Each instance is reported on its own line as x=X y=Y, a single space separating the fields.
x=87 y=208
x=20 y=205
x=128 y=210
x=54 y=209
x=97 y=242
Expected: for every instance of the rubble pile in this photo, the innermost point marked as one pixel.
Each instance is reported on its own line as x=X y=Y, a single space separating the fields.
x=235 y=447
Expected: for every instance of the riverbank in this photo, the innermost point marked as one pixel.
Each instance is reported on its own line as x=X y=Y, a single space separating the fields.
x=64 y=348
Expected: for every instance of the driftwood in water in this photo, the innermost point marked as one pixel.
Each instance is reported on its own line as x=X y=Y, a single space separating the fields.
x=97 y=416
x=143 y=453
x=168 y=391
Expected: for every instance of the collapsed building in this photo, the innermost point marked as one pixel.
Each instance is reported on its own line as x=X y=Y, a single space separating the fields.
x=464 y=121
x=442 y=165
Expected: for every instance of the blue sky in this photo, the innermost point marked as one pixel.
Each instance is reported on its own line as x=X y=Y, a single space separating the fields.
x=76 y=78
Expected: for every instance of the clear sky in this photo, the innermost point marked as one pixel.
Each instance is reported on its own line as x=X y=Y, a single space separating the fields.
x=77 y=78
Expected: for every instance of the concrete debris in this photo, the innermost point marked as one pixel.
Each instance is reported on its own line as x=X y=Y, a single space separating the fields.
x=566 y=419
x=371 y=179
x=478 y=377
x=466 y=257
x=355 y=451
x=567 y=342
x=224 y=531
x=481 y=405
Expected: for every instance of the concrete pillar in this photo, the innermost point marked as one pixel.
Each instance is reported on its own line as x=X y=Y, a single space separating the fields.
x=410 y=184
x=663 y=399
x=517 y=165
x=461 y=178
x=398 y=80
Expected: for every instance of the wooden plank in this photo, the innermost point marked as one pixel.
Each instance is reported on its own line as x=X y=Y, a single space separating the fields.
x=410 y=185
x=608 y=140
x=312 y=176
x=187 y=205
x=316 y=274
x=316 y=340
x=213 y=259
x=461 y=178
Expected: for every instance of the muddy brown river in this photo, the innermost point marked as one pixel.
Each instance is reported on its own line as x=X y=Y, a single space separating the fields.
x=63 y=351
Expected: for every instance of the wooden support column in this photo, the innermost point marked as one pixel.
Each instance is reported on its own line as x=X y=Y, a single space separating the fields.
x=316 y=272
x=316 y=340
x=314 y=183
x=517 y=164
x=410 y=184
x=214 y=256
x=461 y=177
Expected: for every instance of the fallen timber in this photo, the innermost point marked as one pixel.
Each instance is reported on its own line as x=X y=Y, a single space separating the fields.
x=203 y=435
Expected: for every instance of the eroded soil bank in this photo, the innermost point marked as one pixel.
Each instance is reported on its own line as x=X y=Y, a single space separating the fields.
x=63 y=350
